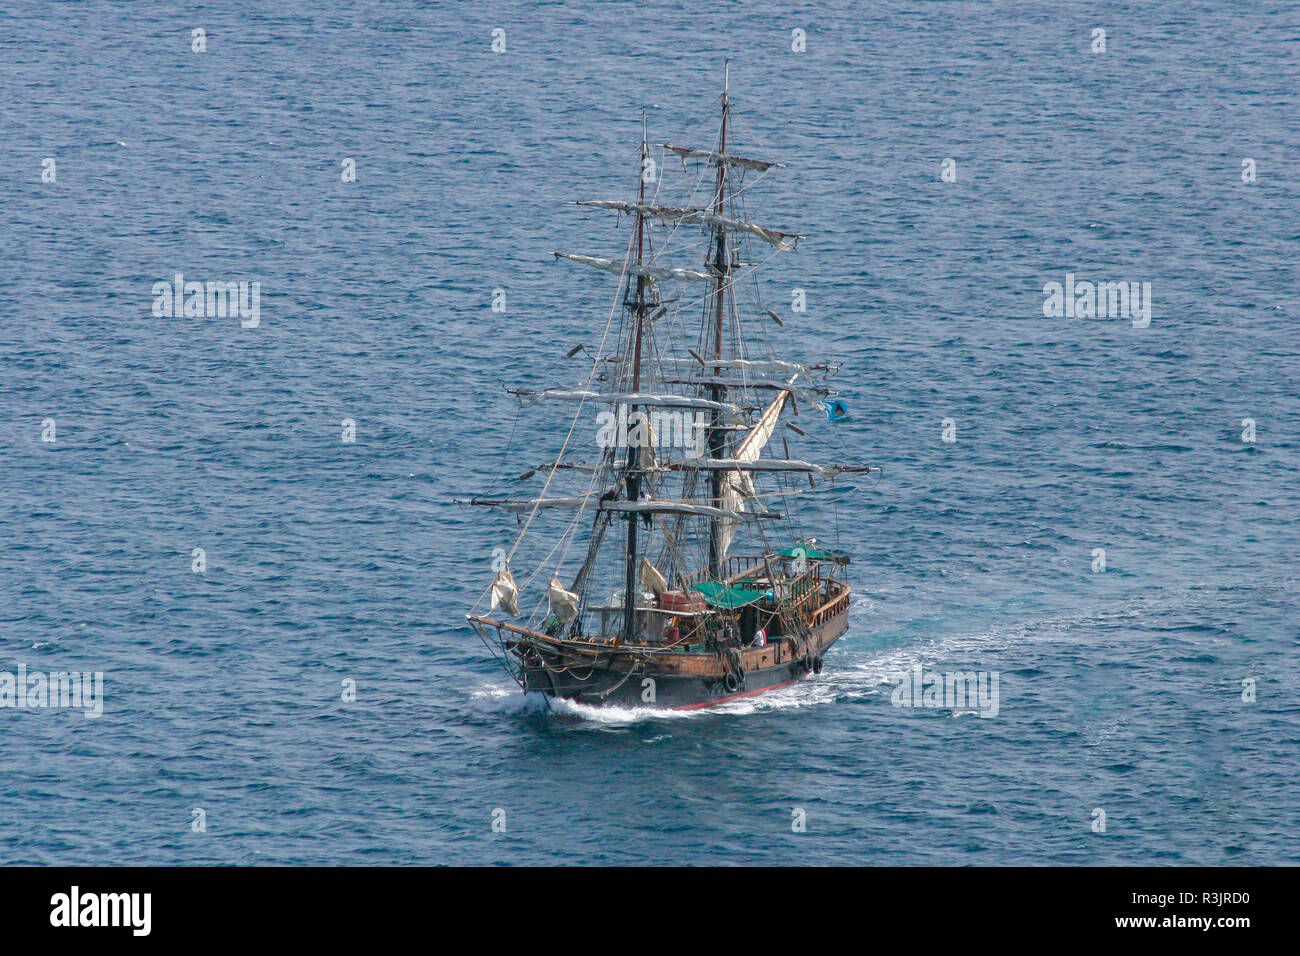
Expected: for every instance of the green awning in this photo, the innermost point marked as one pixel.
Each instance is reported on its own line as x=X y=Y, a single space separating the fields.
x=813 y=554
x=727 y=595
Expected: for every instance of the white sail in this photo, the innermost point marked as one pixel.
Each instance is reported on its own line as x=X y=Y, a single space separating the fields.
x=738 y=485
x=564 y=604
x=505 y=593
x=651 y=579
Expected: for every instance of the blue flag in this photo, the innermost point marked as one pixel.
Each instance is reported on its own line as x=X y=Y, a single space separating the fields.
x=836 y=411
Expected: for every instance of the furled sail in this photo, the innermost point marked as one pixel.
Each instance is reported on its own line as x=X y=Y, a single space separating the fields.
x=717 y=464
x=686 y=152
x=618 y=266
x=785 y=241
x=758 y=366
x=813 y=394
x=738 y=485
x=762 y=464
x=579 y=502
x=622 y=398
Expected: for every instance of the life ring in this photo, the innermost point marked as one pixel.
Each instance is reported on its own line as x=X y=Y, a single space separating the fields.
x=729 y=683
x=817 y=664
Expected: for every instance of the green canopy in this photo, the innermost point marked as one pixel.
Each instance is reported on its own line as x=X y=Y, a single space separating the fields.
x=813 y=554
x=727 y=595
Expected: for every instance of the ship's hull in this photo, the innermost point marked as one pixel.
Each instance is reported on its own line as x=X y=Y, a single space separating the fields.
x=616 y=682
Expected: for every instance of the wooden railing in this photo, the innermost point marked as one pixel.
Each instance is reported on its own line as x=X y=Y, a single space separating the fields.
x=736 y=566
x=831 y=608
x=740 y=566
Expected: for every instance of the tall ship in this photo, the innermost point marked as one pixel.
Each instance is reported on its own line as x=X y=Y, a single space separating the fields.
x=680 y=575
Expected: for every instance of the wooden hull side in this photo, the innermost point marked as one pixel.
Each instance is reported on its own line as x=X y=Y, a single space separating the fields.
x=685 y=681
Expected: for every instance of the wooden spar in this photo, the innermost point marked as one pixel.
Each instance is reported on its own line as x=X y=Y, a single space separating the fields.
x=751 y=383
x=583 y=502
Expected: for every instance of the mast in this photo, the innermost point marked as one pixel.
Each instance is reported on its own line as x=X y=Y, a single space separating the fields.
x=710 y=375
x=717 y=437
x=634 y=452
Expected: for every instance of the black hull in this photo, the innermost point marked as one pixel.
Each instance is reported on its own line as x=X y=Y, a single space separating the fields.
x=609 y=689
x=615 y=687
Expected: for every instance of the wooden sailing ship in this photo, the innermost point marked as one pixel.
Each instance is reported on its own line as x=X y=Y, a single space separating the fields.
x=660 y=611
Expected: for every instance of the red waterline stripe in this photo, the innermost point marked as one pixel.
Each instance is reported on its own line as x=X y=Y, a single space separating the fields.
x=748 y=693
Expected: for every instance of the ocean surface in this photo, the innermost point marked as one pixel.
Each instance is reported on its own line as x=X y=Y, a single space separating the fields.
x=1163 y=691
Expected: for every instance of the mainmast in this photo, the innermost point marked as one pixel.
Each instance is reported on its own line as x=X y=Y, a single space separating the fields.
x=721 y=263
x=634 y=463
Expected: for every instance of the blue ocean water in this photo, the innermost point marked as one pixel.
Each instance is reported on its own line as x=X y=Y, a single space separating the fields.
x=329 y=562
